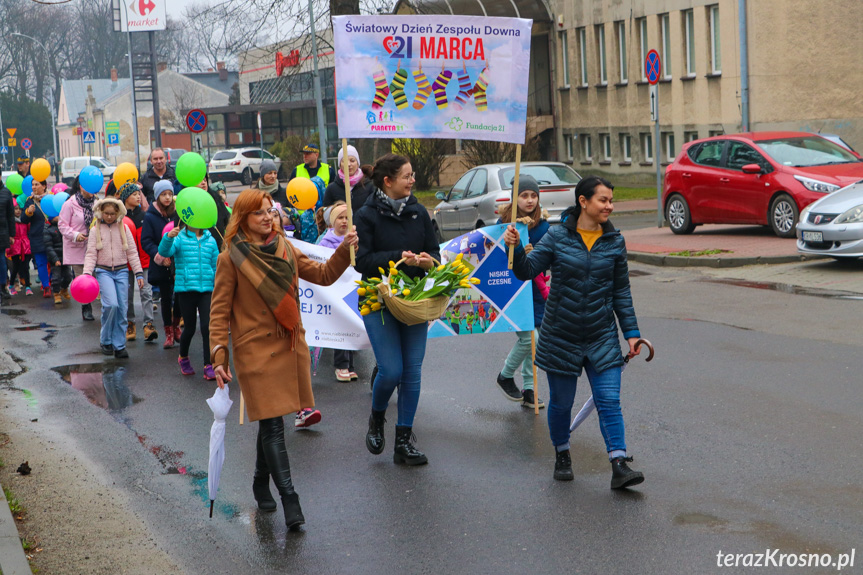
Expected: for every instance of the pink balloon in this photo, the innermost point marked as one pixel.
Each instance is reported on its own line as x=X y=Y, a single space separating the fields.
x=168 y=227
x=57 y=188
x=84 y=289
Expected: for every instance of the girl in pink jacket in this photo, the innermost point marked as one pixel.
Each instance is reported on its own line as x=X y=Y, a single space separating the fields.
x=19 y=253
x=110 y=249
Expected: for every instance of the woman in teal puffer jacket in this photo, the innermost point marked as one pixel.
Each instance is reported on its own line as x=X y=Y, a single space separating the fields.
x=589 y=287
x=195 y=253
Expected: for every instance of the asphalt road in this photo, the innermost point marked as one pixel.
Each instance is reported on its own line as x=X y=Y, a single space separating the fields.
x=746 y=426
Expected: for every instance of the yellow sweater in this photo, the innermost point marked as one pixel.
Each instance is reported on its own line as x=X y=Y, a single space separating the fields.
x=589 y=237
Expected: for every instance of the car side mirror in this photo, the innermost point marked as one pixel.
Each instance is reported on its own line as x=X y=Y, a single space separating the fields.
x=441 y=196
x=752 y=169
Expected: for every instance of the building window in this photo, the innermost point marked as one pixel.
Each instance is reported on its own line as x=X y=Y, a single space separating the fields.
x=606 y=147
x=666 y=46
x=567 y=139
x=642 y=43
x=670 y=149
x=621 y=51
x=587 y=148
x=713 y=133
x=690 y=136
x=600 y=51
x=564 y=58
x=689 y=41
x=582 y=55
x=626 y=147
x=715 y=48
x=647 y=148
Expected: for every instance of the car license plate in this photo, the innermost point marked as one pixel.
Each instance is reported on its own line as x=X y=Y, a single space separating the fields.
x=813 y=237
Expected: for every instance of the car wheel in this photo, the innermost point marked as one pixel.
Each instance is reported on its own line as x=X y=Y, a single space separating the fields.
x=437 y=234
x=678 y=216
x=247 y=177
x=783 y=216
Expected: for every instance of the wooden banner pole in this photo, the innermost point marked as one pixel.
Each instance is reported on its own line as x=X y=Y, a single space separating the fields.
x=242 y=407
x=346 y=172
x=535 y=380
x=514 y=210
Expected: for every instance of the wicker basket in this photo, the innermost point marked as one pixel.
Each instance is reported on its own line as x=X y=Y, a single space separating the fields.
x=411 y=312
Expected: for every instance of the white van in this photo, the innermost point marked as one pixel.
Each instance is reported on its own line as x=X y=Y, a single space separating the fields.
x=71 y=167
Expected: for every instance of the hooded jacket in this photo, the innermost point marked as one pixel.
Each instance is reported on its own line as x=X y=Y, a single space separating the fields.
x=589 y=288
x=37 y=222
x=359 y=193
x=21 y=242
x=72 y=223
x=111 y=246
x=383 y=235
x=53 y=243
x=194 y=260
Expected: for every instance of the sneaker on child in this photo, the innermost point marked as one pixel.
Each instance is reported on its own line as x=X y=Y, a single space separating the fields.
x=307 y=417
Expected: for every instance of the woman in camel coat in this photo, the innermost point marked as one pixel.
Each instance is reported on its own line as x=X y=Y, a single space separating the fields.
x=256 y=296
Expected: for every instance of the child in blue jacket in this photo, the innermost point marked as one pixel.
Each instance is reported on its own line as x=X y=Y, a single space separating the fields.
x=194 y=253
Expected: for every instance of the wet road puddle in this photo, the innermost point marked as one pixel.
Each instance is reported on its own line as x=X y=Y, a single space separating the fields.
x=35 y=327
x=13 y=312
x=786 y=288
x=101 y=383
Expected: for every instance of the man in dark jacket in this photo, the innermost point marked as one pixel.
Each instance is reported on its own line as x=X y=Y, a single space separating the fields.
x=160 y=171
x=24 y=166
x=61 y=276
x=7 y=232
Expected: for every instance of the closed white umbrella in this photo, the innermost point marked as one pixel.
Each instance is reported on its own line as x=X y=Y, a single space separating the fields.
x=220 y=404
x=589 y=405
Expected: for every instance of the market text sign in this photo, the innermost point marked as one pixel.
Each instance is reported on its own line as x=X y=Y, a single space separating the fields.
x=432 y=77
x=144 y=15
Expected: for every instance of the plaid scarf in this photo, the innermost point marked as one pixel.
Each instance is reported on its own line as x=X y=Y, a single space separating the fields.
x=272 y=270
x=88 y=207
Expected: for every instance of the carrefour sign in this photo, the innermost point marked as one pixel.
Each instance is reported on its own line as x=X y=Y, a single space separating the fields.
x=143 y=15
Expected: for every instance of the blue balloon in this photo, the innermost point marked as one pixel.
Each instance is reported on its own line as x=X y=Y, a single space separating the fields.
x=27 y=186
x=47 y=205
x=91 y=179
x=59 y=199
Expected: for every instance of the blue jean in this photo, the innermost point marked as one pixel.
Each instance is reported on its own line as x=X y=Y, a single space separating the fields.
x=114 y=291
x=399 y=350
x=606 y=395
x=41 y=261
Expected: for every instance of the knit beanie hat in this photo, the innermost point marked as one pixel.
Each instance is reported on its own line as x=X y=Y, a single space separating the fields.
x=336 y=212
x=268 y=166
x=352 y=153
x=127 y=190
x=162 y=186
x=527 y=183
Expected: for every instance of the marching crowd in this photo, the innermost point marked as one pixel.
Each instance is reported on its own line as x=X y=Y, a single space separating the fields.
x=237 y=283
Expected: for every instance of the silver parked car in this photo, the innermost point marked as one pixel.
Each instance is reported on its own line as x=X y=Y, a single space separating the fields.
x=474 y=199
x=833 y=225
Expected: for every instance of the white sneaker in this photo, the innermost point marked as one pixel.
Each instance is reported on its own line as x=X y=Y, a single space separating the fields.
x=343 y=375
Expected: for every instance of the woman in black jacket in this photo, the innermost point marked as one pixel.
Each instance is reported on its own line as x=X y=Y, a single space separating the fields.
x=7 y=232
x=359 y=177
x=391 y=226
x=590 y=286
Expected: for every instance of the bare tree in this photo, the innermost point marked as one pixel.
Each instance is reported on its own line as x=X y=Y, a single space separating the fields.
x=214 y=34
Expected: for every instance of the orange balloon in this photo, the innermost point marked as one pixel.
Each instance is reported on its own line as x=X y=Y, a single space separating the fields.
x=40 y=170
x=124 y=174
x=302 y=193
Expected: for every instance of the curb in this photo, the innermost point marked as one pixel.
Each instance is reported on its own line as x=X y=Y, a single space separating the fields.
x=12 y=558
x=708 y=262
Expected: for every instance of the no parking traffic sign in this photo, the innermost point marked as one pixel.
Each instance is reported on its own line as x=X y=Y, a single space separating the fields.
x=196 y=120
x=652 y=66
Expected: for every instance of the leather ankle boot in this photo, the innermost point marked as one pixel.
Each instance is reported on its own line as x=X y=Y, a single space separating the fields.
x=261 y=490
x=563 y=466
x=293 y=513
x=87 y=312
x=622 y=476
x=405 y=452
x=375 y=437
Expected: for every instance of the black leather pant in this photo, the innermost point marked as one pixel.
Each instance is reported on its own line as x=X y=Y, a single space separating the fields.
x=273 y=455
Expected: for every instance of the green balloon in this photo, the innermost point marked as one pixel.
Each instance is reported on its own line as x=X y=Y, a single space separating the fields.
x=191 y=169
x=197 y=208
x=22 y=199
x=14 y=182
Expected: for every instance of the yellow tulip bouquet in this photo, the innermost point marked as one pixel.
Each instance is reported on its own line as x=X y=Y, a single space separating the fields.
x=414 y=300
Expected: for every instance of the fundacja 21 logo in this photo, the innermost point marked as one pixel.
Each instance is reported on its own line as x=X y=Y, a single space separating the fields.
x=398 y=47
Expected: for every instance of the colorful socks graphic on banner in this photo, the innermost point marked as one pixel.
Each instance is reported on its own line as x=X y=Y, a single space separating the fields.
x=464 y=90
x=382 y=91
x=439 y=88
x=398 y=88
x=423 y=90
x=479 y=91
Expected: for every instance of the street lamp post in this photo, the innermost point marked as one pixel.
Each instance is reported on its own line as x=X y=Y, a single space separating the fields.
x=50 y=93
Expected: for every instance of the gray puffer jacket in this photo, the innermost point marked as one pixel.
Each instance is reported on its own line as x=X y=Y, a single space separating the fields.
x=588 y=288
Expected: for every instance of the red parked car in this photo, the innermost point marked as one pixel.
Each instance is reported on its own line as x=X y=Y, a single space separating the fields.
x=761 y=178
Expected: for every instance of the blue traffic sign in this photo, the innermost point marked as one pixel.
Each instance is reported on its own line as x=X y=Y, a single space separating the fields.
x=90 y=137
x=196 y=120
x=652 y=66
x=113 y=139
x=4 y=150
x=26 y=143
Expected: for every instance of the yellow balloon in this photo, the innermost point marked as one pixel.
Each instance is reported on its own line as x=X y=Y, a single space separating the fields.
x=40 y=170
x=124 y=174
x=302 y=193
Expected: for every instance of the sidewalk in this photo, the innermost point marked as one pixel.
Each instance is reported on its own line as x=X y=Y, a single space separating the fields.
x=12 y=558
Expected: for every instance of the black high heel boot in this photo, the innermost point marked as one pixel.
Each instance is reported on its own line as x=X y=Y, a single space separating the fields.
x=276 y=454
x=375 y=437
x=405 y=452
x=87 y=312
x=261 y=482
